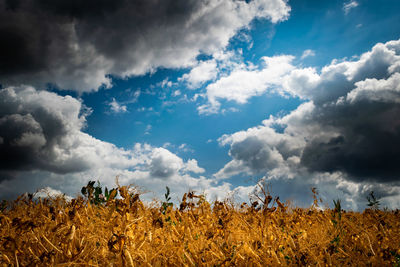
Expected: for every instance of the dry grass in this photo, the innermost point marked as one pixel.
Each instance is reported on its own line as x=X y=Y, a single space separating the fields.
x=124 y=232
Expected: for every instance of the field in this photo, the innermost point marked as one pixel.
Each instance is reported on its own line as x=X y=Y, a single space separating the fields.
x=98 y=230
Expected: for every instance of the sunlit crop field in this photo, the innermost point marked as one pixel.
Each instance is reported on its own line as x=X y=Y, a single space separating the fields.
x=123 y=231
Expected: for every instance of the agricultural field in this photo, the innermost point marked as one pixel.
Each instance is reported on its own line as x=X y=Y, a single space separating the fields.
x=117 y=229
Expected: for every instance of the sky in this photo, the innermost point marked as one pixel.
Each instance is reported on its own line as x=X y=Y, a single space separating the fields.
x=210 y=96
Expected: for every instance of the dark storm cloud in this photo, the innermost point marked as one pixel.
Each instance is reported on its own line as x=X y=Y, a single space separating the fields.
x=364 y=119
x=254 y=154
x=76 y=44
x=366 y=145
x=350 y=124
x=42 y=143
x=78 y=9
x=37 y=131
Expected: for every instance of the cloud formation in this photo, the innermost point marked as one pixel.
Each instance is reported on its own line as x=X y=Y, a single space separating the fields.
x=278 y=74
x=203 y=72
x=348 y=125
x=43 y=145
x=76 y=46
x=244 y=82
x=41 y=130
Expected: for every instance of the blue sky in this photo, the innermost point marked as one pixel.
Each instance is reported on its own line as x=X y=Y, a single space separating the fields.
x=206 y=97
x=322 y=27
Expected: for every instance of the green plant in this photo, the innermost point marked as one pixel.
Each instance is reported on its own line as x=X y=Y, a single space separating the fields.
x=337 y=223
x=110 y=194
x=167 y=202
x=95 y=193
x=396 y=262
x=337 y=214
x=373 y=201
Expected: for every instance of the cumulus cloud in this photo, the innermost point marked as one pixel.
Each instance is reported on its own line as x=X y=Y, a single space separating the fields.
x=203 y=72
x=278 y=74
x=164 y=164
x=40 y=130
x=44 y=146
x=347 y=129
x=193 y=166
x=76 y=46
x=262 y=149
x=382 y=90
x=244 y=82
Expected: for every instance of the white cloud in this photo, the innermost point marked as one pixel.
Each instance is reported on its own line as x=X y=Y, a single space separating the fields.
x=349 y=6
x=245 y=82
x=193 y=166
x=221 y=63
x=203 y=72
x=383 y=90
x=134 y=97
x=164 y=164
x=165 y=83
x=342 y=137
x=308 y=53
x=279 y=75
x=45 y=147
x=116 y=107
x=185 y=148
x=262 y=150
x=50 y=136
x=176 y=93
x=166 y=145
x=48 y=192
x=66 y=159
x=148 y=129
x=120 y=107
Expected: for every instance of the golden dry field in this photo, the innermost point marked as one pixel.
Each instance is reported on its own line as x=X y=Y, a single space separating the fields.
x=124 y=232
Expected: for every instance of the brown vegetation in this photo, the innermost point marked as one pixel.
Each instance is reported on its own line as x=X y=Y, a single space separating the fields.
x=125 y=232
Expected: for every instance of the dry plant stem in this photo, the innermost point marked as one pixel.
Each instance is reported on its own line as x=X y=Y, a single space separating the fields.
x=16 y=260
x=369 y=242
